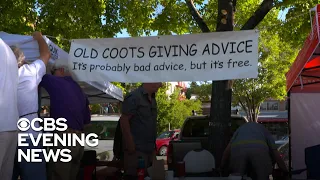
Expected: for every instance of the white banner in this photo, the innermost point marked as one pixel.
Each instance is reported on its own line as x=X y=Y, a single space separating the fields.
x=194 y=57
x=30 y=47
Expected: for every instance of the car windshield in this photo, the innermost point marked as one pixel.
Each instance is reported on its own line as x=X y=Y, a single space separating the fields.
x=199 y=127
x=165 y=135
x=104 y=129
x=196 y=128
x=284 y=148
x=285 y=138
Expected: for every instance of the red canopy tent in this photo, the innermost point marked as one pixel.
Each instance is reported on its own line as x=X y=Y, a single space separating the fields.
x=305 y=70
x=303 y=86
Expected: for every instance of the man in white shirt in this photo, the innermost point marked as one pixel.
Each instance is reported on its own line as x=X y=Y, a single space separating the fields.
x=8 y=110
x=30 y=76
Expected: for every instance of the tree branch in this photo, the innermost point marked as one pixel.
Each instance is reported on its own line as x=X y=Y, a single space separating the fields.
x=258 y=15
x=196 y=16
x=279 y=4
x=250 y=105
x=243 y=106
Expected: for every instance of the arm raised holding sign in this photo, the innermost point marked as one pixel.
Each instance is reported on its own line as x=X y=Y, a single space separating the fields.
x=43 y=48
x=30 y=76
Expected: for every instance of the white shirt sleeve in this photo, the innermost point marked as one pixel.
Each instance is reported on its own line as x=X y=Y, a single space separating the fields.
x=36 y=70
x=8 y=88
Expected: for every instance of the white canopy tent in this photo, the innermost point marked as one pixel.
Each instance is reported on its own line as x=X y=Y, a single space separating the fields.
x=303 y=86
x=98 y=92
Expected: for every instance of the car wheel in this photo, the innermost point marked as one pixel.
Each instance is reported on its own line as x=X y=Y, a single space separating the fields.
x=163 y=151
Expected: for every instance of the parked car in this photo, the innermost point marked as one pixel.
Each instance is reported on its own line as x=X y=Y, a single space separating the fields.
x=105 y=127
x=282 y=141
x=194 y=135
x=284 y=152
x=163 y=140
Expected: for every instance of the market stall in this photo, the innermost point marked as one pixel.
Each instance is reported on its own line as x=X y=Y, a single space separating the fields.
x=303 y=86
x=98 y=92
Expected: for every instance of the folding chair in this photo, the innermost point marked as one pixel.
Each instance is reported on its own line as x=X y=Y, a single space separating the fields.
x=312 y=161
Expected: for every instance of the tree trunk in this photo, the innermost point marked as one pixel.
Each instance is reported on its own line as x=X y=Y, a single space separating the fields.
x=251 y=110
x=257 y=112
x=220 y=110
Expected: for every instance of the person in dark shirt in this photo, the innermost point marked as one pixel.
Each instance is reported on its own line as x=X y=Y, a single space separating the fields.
x=252 y=144
x=138 y=123
x=68 y=101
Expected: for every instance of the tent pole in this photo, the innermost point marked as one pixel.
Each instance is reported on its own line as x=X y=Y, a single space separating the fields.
x=289 y=127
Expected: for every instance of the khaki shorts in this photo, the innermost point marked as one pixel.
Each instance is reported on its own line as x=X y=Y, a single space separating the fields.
x=8 y=143
x=66 y=170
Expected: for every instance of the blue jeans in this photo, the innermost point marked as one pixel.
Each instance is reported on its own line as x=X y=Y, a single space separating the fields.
x=28 y=170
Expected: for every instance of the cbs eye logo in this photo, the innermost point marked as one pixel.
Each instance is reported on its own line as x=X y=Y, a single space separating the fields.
x=23 y=124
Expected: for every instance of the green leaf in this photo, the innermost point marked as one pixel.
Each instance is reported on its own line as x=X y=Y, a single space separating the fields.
x=173 y=110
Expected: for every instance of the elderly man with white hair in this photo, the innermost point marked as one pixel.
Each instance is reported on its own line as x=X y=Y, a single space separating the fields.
x=68 y=101
x=8 y=110
x=30 y=76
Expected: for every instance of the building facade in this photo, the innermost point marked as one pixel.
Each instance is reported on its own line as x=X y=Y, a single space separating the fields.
x=270 y=110
x=172 y=86
x=274 y=111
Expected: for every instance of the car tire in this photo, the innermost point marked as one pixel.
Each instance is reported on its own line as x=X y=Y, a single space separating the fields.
x=163 y=151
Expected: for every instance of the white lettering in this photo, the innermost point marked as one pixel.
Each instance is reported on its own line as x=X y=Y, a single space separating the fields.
x=94 y=142
x=46 y=139
x=26 y=156
x=51 y=155
x=49 y=124
x=23 y=124
x=35 y=141
x=76 y=140
x=34 y=122
x=66 y=154
x=53 y=139
x=61 y=122
x=70 y=139
x=60 y=140
x=22 y=137
x=35 y=156
x=50 y=139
